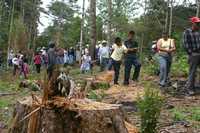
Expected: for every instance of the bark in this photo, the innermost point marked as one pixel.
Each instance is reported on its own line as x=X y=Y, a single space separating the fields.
x=167 y=17
x=10 y=28
x=82 y=28
x=143 y=34
x=109 y=22
x=93 y=31
x=171 y=18
x=68 y=116
x=1 y=10
x=198 y=7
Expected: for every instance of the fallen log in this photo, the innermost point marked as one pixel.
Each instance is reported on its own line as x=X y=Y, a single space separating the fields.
x=7 y=94
x=61 y=115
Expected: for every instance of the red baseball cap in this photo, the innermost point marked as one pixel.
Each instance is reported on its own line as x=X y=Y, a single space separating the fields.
x=195 y=20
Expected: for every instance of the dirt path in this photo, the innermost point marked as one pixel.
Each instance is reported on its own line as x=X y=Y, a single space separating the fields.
x=174 y=106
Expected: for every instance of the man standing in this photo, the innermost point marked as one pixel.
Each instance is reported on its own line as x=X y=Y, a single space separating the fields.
x=104 y=56
x=131 y=58
x=51 y=59
x=191 y=43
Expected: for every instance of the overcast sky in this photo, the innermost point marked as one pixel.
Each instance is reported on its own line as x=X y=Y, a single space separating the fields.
x=45 y=19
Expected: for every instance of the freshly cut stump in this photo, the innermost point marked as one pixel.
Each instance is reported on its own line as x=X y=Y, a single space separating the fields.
x=67 y=116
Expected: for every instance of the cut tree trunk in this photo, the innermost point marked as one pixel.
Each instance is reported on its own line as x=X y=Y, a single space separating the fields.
x=61 y=115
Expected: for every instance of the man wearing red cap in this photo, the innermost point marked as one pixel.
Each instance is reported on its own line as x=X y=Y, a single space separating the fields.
x=191 y=43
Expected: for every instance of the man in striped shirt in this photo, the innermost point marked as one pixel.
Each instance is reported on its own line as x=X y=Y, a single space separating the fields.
x=191 y=43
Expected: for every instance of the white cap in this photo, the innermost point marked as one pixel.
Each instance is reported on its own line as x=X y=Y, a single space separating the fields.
x=104 y=41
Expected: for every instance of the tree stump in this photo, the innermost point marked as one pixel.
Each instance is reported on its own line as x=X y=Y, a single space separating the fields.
x=61 y=115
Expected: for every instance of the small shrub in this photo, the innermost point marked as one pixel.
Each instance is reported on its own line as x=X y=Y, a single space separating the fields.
x=149 y=107
x=196 y=114
x=178 y=115
x=96 y=96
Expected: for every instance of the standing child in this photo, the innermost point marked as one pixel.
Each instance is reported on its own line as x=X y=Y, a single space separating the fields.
x=86 y=62
x=116 y=57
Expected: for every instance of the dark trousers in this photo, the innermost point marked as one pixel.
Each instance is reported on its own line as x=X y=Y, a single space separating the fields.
x=128 y=62
x=104 y=64
x=194 y=61
x=38 y=66
x=15 y=69
x=50 y=69
x=116 y=66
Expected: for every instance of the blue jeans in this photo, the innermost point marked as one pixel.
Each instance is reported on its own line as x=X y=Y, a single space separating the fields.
x=165 y=65
x=104 y=64
x=128 y=62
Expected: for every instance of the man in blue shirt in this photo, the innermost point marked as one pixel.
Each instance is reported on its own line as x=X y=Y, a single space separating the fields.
x=131 y=58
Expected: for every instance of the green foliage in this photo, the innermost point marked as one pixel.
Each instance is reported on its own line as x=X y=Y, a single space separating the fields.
x=178 y=115
x=149 y=107
x=103 y=86
x=98 y=96
x=66 y=26
x=4 y=103
x=61 y=11
x=195 y=114
x=18 y=22
x=180 y=63
x=19 y=35
x=186 y=114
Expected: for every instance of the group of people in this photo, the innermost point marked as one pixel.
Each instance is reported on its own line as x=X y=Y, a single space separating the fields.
x=164 y=48
x=111 y=57
x=191 y=43
x=19 y=63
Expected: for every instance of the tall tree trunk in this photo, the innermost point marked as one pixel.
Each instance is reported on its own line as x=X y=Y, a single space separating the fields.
x=82 y=28
x=34 y=24
x=109 y=21
x=12 y=10
x=143 y=34
x=167 y=17
x=1 y=10
x=93 y=31
x=198 y=7
x=171 y=18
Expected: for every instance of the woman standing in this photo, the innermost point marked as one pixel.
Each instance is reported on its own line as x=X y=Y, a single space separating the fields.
x=165 y=46
x=116 y=57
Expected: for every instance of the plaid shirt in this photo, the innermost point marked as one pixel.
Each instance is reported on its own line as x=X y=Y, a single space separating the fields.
x=191 y=41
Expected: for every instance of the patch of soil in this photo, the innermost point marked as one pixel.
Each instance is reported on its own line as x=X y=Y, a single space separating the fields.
x=177 y=128
x=175 y=97
x=178 y=89
x=123 y=94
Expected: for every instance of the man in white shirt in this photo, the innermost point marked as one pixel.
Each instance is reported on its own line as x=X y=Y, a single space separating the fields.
x=104 y=56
